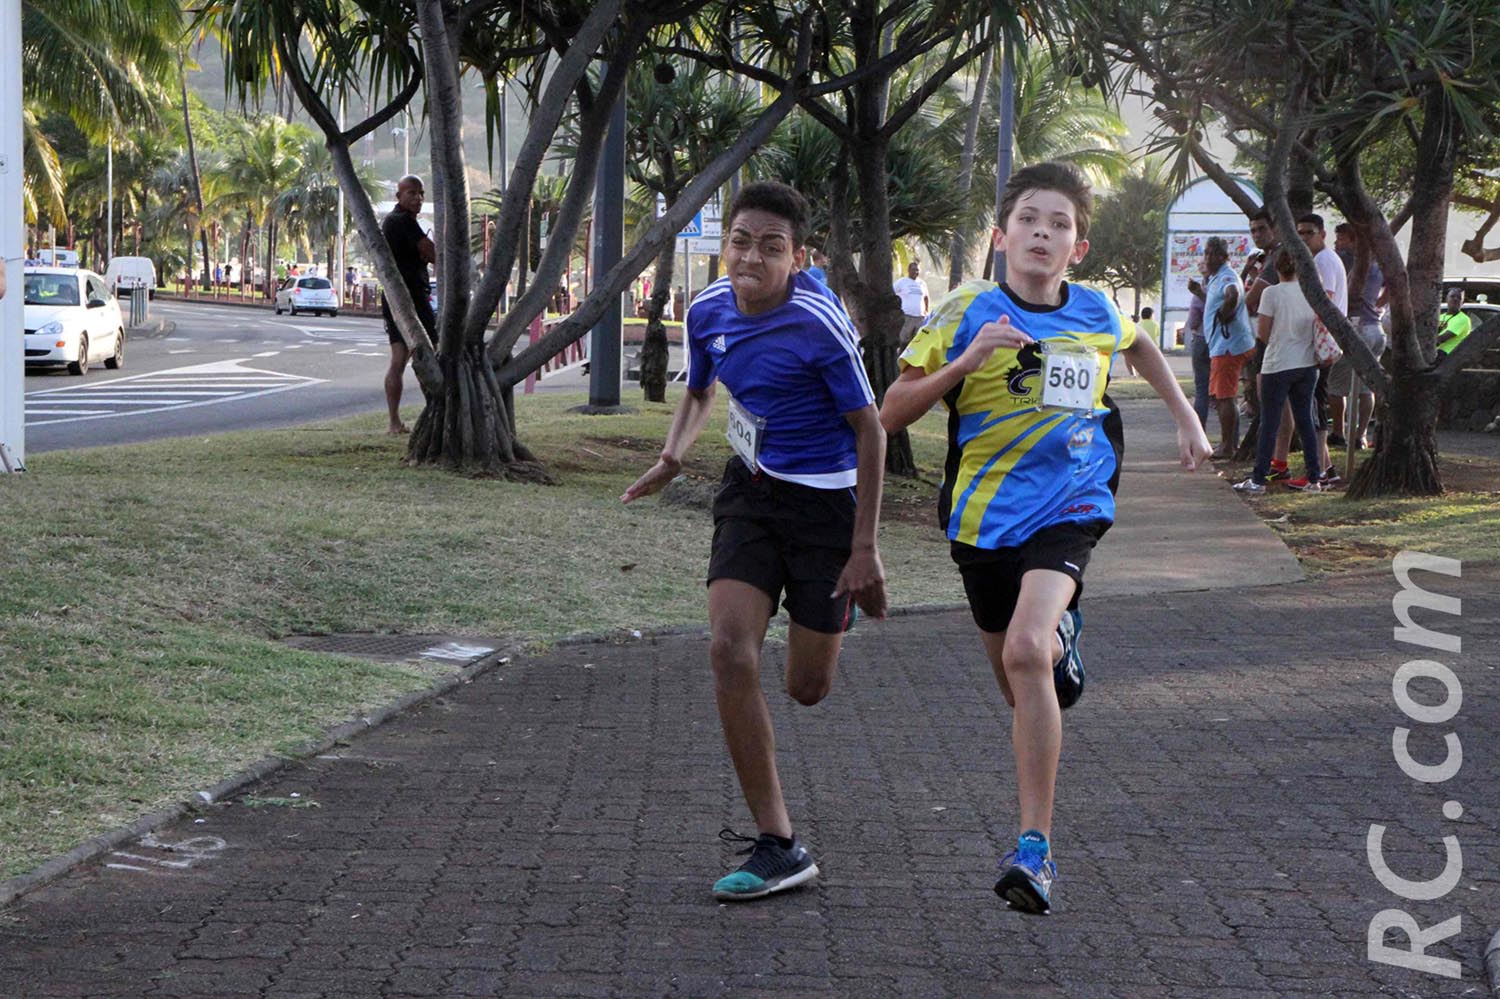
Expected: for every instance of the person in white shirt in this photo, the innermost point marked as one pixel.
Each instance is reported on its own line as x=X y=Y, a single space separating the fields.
x=1335 y=281
x=916 y=302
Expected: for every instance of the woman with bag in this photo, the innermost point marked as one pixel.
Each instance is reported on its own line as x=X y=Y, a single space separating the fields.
x=1289 y=328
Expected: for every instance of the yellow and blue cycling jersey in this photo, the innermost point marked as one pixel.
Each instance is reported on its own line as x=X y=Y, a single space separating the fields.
x=1013 y=466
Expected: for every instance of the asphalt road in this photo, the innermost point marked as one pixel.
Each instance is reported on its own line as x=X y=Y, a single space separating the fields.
x=218 y=368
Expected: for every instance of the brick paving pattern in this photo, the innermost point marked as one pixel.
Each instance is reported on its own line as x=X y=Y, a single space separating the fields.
x=550 y=829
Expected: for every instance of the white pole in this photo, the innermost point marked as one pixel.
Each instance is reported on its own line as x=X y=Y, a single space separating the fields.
x=338 y=280
x=12 y=222
x=109 y=212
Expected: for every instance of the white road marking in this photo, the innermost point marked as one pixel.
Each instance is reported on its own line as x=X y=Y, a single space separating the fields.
x=269 y=353
x=158 y=391
x=187 y=351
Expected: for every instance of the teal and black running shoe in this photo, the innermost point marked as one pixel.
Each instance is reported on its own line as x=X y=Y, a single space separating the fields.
x=1067 y=674
x=1026 y=875
x=771 y=868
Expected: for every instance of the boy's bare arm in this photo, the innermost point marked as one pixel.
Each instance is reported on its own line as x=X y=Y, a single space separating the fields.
x=915 y=392
x=1192 y=443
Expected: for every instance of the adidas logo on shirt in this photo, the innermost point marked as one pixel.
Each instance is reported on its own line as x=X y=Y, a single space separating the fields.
x=718 y=344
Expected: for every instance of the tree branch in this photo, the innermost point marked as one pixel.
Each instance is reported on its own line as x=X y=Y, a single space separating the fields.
x=607 y=291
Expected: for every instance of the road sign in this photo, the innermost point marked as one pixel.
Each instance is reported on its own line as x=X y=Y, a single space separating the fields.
x=703 y=246
x=707 y=224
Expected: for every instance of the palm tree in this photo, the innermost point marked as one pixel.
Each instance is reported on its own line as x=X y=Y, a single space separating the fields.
x=102 y=63
x=266 y=163
x=680 y=116
x=309 y=208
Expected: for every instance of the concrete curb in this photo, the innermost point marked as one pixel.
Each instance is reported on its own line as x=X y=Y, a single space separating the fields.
x=51 y=870
x=1492 y=963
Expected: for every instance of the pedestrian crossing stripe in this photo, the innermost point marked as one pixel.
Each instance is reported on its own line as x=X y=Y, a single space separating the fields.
x=159 y=391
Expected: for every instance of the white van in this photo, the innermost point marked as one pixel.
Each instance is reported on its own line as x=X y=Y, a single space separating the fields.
x=125 y=273
x=58 y=257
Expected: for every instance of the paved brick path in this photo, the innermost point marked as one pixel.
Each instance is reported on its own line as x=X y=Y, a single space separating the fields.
x=549 y=830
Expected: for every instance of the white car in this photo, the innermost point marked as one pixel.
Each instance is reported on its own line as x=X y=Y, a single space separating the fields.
x=126 y=273
x=307 y=294
x=71 y=319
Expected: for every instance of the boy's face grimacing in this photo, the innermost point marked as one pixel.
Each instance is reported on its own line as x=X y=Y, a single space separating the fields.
x=759 y=257
x=1040 y=238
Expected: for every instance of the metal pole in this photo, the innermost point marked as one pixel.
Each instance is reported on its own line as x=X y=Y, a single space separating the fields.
x=109 y=214
x=339 y=281
x=1007 y=137
x=12 y=235
x=609 y=247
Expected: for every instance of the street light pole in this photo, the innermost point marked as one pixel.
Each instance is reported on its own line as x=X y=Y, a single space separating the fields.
x=1007 y=137
x=12 y=354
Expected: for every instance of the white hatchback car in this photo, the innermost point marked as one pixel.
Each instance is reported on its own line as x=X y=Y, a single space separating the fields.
x=307 y=294
x=71 y=319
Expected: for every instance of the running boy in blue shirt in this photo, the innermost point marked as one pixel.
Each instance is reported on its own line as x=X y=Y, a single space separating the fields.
x=807 y=438
x=1034 y=449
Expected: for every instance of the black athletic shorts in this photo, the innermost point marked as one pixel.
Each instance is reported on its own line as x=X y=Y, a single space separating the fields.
x=778 y=535
x=424 y=313
x=992 y=576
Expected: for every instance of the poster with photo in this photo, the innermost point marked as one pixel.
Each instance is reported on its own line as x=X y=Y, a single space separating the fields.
x=1185 y=253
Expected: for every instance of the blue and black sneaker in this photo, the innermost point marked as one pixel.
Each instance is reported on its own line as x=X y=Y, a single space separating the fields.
x=1026 y=875
x=1067 y=674
x=771 y=868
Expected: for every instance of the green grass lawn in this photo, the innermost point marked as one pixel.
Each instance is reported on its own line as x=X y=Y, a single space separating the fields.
x=146 y=589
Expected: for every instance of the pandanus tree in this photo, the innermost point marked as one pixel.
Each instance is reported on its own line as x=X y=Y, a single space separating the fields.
x=1324 y=96
x=571 y=56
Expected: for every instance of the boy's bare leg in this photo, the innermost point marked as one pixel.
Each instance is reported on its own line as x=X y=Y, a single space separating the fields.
x=811 y=659
x=1023 y=656
x=737 y=616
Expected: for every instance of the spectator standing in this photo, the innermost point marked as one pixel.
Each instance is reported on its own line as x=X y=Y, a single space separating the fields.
x=819 y=268
x=1149 y=326
x=1231 y=342
x=413 y=251
x=218 y=276
x=1335 y=282
x=1288 y=374
x=915 y=300
x=1456 y=325
x=1364 y=314
x=1197 y=346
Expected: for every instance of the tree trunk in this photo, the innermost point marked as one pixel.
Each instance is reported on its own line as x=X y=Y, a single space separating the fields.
x=958 y=249
x=467 y=427
x=877 y=304
x=655 y=353
x=1405 y=458
x=187 y=125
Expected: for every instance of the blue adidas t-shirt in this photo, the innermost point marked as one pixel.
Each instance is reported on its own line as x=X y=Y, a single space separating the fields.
x=797 y=367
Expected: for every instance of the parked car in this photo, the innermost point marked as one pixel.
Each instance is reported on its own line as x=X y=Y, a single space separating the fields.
x=70 y=318
x=307 y=294
x=125 y=273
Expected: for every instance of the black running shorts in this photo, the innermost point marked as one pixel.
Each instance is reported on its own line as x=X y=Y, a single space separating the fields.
x=778 y=535
x=992 y=576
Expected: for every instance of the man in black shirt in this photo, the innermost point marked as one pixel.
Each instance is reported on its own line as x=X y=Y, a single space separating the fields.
x=413 y=251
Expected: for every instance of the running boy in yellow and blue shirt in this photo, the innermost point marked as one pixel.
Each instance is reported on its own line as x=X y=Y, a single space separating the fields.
x=1034 y=450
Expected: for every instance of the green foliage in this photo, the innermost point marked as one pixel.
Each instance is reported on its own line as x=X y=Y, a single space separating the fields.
x=1127 y=238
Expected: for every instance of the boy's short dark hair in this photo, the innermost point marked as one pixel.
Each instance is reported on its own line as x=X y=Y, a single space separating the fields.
x=778 y=199
x=1264 y=215
x=1064 y=178
x=1311 y=218
x=1217 y=245
x=1146 y=312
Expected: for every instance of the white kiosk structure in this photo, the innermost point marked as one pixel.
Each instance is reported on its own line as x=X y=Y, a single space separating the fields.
x=1200 y=211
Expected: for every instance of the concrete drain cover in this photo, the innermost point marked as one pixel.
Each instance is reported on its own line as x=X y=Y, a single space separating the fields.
x=398 y=648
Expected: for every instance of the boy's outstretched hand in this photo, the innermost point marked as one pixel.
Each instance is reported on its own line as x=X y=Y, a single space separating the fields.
x=655 y=480
x=863 y=579
x=1192 y=446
